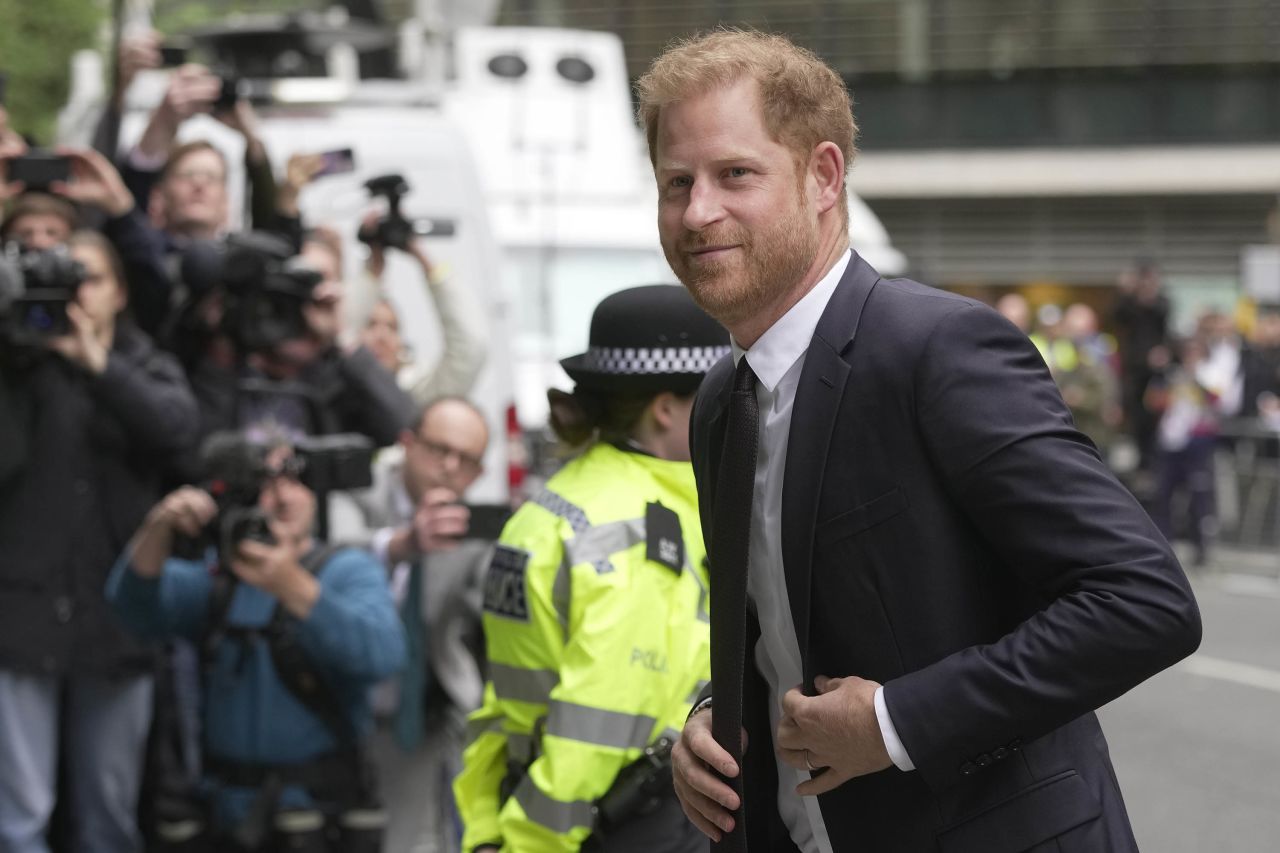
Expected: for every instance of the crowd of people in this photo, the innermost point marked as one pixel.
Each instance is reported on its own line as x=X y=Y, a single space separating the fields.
x=183 y=655
x=1158 y=404
x=243 y=606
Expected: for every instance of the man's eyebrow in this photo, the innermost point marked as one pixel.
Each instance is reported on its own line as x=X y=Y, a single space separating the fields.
x=677 y=166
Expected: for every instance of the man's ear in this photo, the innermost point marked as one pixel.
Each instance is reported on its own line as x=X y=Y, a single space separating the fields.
x=406 y=438
x=826 y=175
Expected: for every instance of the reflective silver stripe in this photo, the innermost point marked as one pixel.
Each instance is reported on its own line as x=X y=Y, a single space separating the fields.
x=477 y=728
x=598 y=726
x=562 y=594
x=520 y=748
x=523 y=685
x=558 y=506
x=697 y=691
x=559 y=817
x=597 y=544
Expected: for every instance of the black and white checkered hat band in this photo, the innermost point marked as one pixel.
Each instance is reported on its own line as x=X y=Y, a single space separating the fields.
x=633 y=361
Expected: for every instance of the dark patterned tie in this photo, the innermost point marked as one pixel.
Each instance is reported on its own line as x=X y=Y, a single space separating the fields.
x=730 y=538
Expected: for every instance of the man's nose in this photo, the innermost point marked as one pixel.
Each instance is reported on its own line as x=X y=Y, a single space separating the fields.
x=706 y=206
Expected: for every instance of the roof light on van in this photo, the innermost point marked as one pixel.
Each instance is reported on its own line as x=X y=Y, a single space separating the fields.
x=508 y=65
x=575 y=69
x=310 y=90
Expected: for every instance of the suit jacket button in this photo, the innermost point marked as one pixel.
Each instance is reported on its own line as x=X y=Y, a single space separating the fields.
x=968 y=768
x=1000 y=754
x=1015 y=744
x=983 y=760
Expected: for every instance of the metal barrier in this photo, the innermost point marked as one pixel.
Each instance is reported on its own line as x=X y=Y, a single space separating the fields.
x=1247 y=477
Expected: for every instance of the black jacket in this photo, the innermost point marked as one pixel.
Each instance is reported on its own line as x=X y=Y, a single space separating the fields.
x=947 y=533
x=335 y=393
x=95 y=452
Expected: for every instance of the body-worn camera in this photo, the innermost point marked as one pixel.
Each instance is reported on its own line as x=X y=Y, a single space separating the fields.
x=35 y=287
x=236 y=471
x=395 y=230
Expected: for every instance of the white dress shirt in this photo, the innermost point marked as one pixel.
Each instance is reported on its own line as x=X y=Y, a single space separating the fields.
x=778 y=359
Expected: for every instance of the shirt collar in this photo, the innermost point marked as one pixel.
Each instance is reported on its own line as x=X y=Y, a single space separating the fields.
x=788 y=339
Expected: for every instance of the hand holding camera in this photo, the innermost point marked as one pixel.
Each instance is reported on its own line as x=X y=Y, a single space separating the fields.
x=185 y=512
x=139 y=51
x=94 y=182
x=82 y=347
x=439 y=522
x=192 y=89
x=277 y=570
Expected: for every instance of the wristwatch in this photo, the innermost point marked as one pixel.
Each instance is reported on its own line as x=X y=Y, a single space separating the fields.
x=701 y=706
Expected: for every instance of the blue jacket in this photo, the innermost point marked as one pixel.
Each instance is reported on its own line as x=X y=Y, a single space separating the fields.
x=352 y=635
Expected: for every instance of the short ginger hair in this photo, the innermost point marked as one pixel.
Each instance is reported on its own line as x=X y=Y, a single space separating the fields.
x=803 y=100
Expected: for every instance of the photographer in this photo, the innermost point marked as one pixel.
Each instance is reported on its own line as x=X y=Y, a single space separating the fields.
x=92 y=414
x=184 y=187
x=464 y=329
x=413 y=521
x=293 y=635
x=265 y=348
x=40 y=220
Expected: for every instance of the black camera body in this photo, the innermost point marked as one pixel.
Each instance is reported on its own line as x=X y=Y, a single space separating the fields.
x=264 y=287
x=35 y=288
x=236 y=471
x=395 y=230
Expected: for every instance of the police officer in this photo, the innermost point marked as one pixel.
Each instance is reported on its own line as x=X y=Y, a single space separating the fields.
x=596 y=619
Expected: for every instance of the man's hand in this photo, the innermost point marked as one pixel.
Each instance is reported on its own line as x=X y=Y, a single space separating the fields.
x=277 y=570
x=837 y=729
x=439 y=522
x=192 y=89
x=298 y=173
x=187 y=511
x=95 y=182
x=708 y=802
x=82 y=347
x=138 y=52
x=243 y=119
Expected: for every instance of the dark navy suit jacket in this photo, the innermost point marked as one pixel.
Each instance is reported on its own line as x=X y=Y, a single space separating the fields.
x=947 y=532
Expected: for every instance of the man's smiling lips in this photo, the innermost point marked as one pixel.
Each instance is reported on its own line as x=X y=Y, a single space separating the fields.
x=711 y=252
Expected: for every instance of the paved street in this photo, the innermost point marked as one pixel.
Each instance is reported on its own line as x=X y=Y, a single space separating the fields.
x=1197 y=748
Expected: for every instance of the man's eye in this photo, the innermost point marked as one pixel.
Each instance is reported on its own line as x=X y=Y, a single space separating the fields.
x=680 y=181
x=738 y=172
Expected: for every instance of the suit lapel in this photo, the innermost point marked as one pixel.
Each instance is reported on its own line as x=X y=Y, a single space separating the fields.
x=818 y=396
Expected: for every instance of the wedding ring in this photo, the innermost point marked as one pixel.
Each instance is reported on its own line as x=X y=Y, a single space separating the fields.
x=808 y=763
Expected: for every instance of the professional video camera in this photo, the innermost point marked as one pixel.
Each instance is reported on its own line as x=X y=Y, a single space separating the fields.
x=394 y=230
x=265 y=291
x=235 y=472
x=264 y=287
x=35 y=287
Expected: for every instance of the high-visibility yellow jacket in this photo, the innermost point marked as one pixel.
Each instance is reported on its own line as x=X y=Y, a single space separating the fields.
x=595 y=650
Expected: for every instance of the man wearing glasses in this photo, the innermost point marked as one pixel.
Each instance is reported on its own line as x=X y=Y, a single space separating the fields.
x=413 y=520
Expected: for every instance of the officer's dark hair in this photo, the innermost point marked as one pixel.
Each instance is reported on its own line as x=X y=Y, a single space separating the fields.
x=582 y=417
